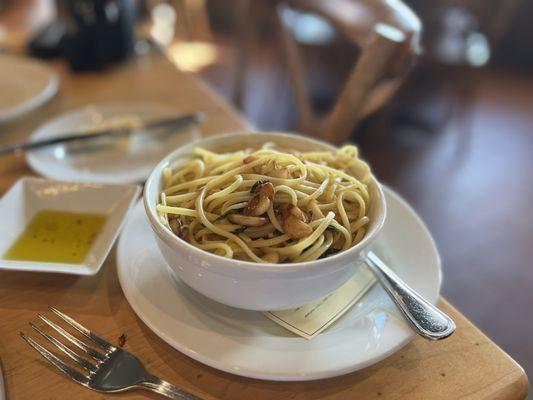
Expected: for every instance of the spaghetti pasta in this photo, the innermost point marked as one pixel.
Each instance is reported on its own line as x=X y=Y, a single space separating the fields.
x=268 y=205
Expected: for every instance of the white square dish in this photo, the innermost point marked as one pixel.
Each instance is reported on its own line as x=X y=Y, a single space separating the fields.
x=30 y=195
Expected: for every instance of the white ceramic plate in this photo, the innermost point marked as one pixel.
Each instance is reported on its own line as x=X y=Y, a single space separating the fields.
x=25 y=84
x=123 y=160
x=246 y=342
x=31 y=195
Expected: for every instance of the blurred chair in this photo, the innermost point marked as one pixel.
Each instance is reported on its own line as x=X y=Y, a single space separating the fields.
x=186 y=20
x=460 y=37
x=181 y=30
x=465 y=32
x=20 y=19
x=386 y=31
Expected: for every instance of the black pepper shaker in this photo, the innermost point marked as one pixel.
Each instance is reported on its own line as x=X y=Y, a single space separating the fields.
x=99 y=33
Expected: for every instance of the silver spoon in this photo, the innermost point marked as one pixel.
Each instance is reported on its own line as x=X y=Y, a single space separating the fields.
x=426 y=319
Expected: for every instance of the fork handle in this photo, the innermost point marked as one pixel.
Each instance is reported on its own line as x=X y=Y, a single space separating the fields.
x=167 y=389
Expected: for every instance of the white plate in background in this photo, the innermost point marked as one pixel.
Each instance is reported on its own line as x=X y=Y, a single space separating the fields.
x=120 y=160
x=31 y=195
x=249 y=344
x=25 y=84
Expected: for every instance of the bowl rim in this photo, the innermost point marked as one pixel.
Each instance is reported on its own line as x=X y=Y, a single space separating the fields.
x=164 y=234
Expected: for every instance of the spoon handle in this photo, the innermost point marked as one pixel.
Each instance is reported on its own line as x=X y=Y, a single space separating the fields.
x=426 y=319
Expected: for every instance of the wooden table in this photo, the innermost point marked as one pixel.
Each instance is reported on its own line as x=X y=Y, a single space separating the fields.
x=468 y=365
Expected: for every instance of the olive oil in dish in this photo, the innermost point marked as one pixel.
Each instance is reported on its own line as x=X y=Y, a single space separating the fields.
x=57 y=236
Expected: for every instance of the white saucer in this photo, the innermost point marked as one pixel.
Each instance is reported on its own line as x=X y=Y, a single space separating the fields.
x=246 y=342
x=25 y=84
x=124 y=160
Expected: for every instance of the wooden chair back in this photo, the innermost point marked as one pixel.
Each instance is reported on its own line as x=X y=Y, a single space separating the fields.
x=386 y=31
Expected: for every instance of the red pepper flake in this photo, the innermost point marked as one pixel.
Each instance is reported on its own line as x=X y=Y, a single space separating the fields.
x=122 y=340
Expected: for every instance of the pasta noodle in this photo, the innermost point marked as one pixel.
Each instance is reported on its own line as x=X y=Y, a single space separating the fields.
x=268 y=205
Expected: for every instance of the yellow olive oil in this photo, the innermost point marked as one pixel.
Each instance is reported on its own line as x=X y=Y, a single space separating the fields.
x=57 y=236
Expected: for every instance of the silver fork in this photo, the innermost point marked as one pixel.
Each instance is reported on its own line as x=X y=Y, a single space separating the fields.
x=113 y=370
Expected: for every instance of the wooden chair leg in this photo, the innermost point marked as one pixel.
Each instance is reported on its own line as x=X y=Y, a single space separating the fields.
x=245 y=24
x=296 y=72
x=183 y=24
x=385 y=43
x=198 y=20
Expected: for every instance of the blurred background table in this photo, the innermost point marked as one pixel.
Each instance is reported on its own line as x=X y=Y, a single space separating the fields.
x=467 y=365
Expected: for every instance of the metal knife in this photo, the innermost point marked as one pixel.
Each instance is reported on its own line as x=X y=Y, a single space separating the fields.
x=167 y=123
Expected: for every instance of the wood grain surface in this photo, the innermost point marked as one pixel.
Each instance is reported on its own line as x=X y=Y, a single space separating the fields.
x=467 y=366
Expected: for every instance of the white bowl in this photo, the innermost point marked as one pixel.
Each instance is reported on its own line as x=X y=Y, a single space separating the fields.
x=250 y=285
x=30 y=195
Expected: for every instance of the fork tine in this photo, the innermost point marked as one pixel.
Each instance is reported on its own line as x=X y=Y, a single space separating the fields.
x=65 y=349
x=74 y=340
x=67 y=370
x=80 y=328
